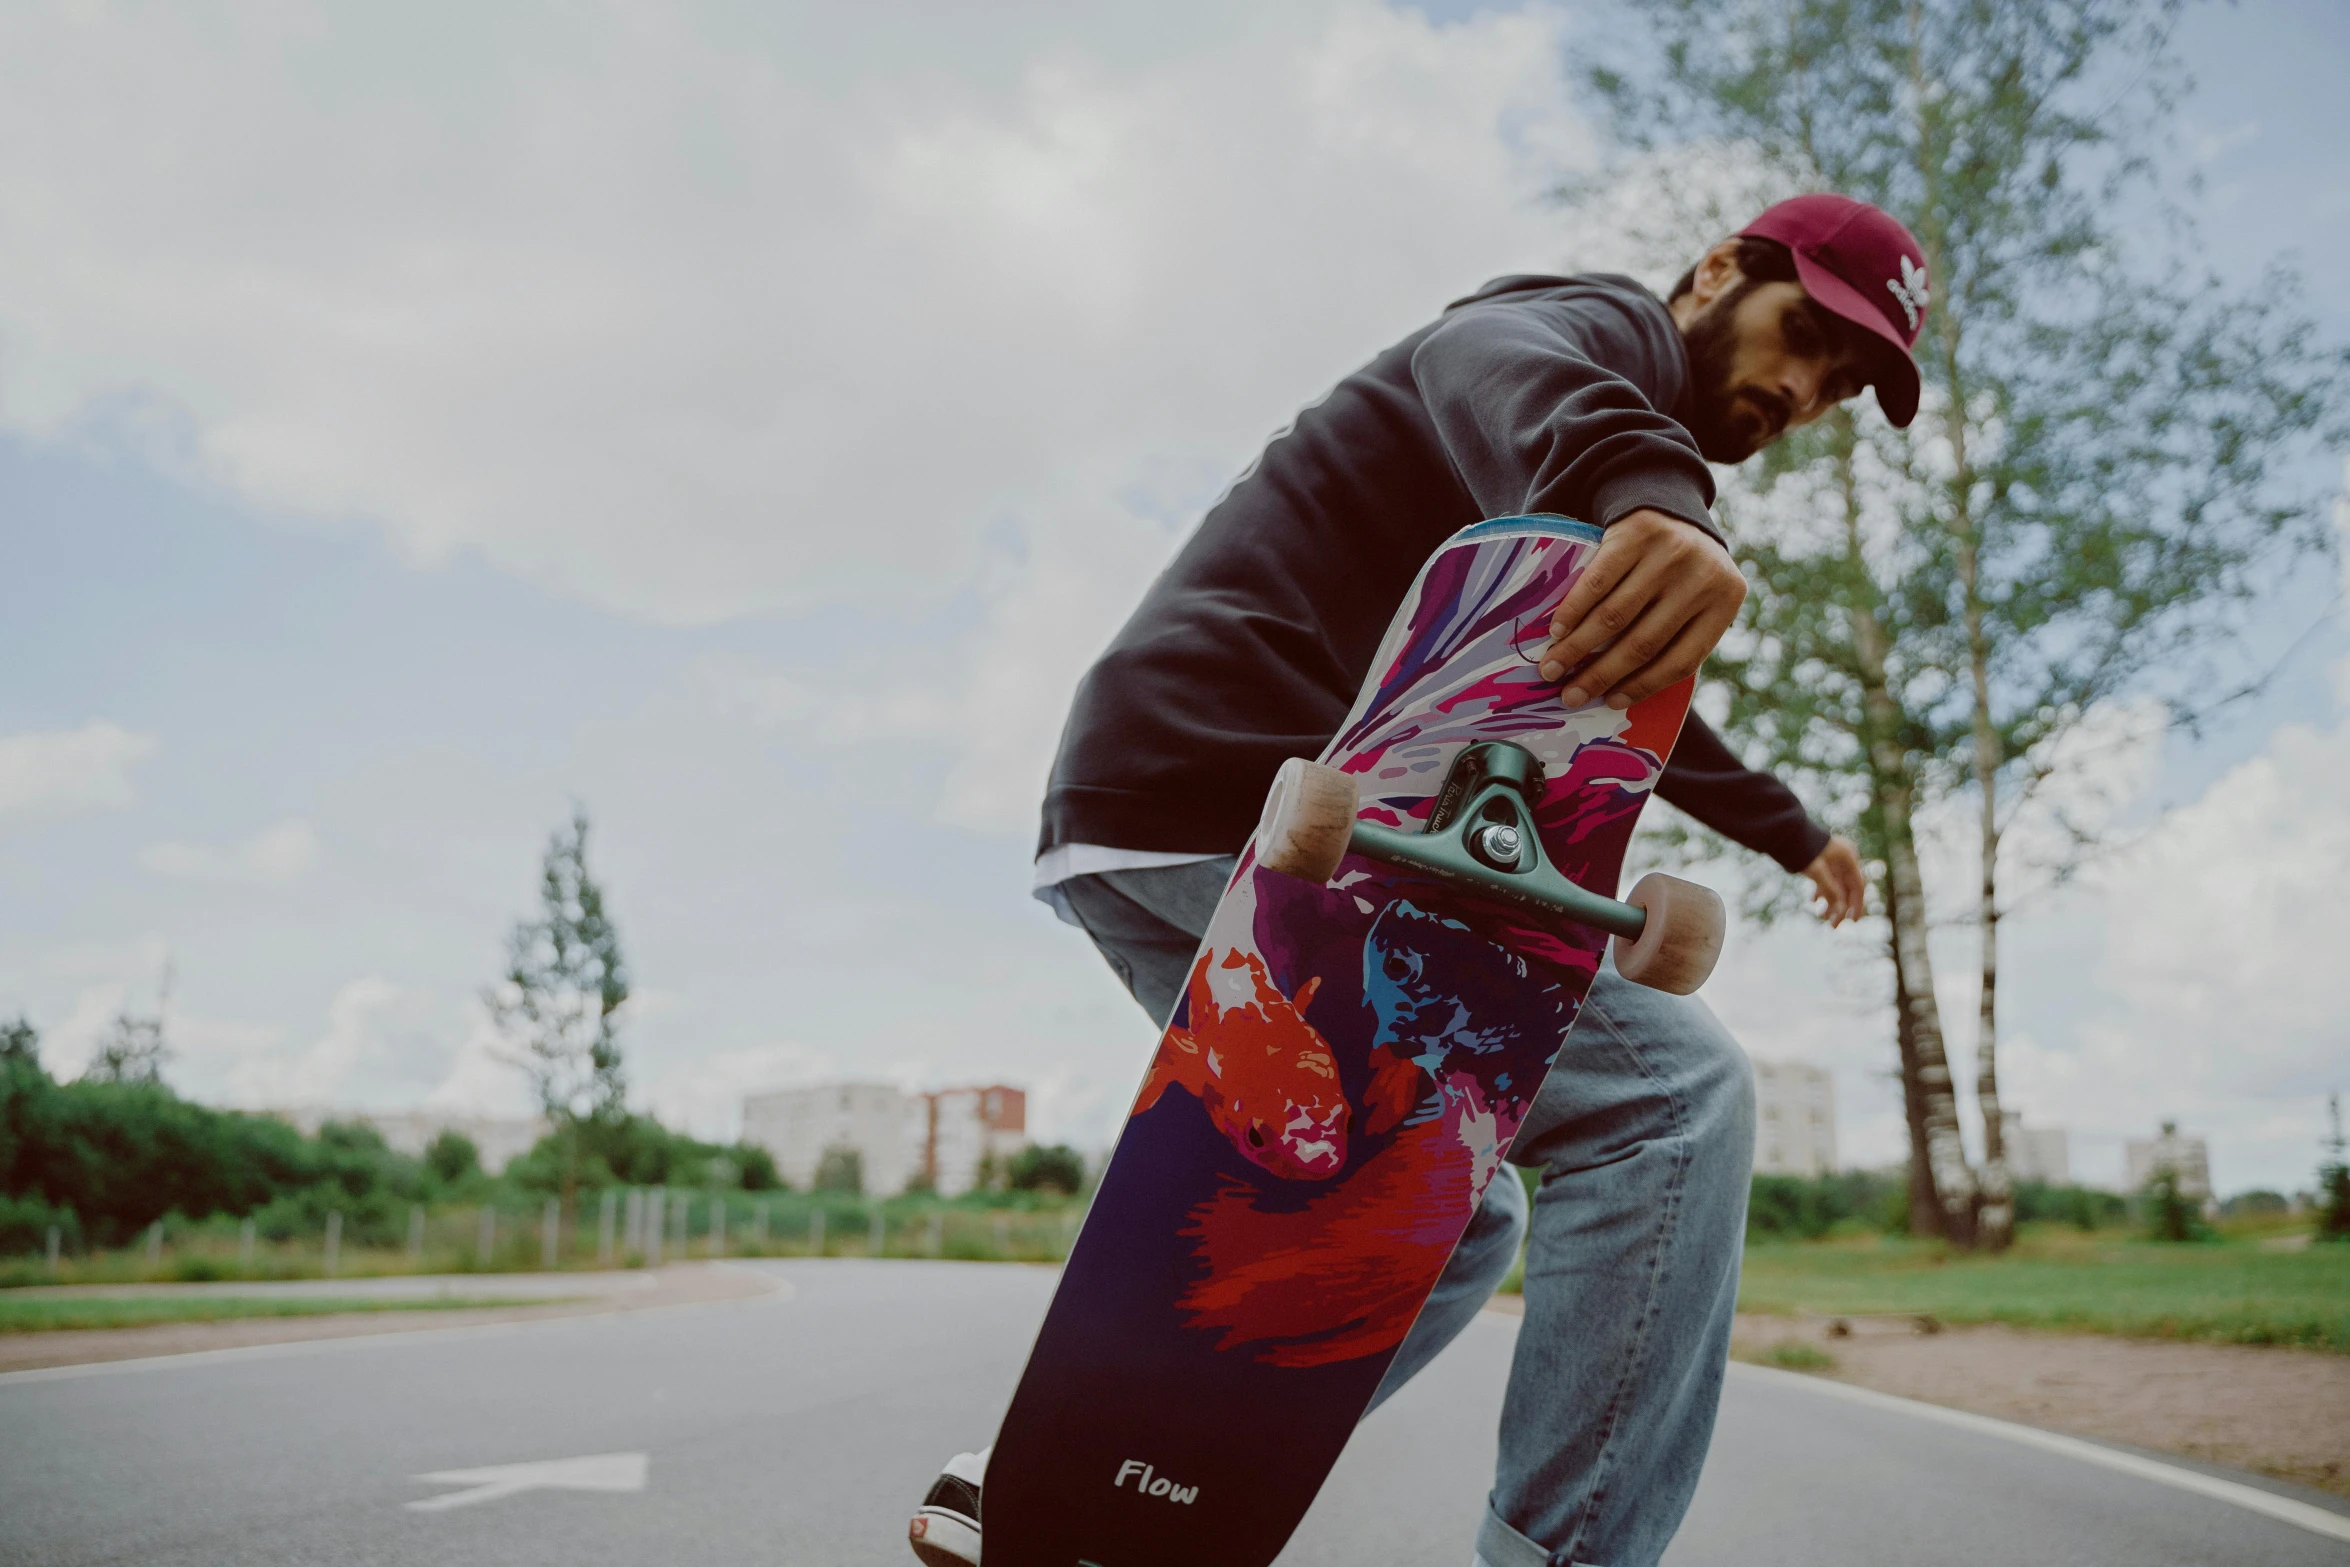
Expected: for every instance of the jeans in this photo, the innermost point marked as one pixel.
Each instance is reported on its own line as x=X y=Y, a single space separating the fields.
x=1643 y=1136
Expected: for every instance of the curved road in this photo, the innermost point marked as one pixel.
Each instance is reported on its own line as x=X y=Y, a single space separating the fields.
x=798 y=1427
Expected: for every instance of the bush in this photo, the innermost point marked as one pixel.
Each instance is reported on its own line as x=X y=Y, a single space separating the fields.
x=842 y=1169
x=1052 y=1167
x=1793 y=1207
x=2171 y=1215
x=2082 y=1207
x=452 y=1157
x=2255 y=1204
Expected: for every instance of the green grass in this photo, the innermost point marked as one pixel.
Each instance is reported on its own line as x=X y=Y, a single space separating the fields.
x=1791 y=1355
x=2229 y=1292
x=52 y=1314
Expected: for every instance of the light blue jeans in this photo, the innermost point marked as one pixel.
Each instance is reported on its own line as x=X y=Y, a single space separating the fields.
x=1644 y=1138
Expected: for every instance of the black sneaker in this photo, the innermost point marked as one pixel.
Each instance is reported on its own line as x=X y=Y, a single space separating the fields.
x=945 y=1528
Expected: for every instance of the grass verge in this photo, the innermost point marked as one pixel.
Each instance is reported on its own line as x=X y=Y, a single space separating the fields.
x=52 y=1315
x=2229 y=1292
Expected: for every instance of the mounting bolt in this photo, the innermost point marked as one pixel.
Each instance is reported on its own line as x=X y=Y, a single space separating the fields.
x=1498 y=846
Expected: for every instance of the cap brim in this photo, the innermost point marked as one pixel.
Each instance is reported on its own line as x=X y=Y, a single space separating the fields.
x=1895 y=375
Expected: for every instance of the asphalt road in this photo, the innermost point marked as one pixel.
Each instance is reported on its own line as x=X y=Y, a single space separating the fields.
x=799 y=1428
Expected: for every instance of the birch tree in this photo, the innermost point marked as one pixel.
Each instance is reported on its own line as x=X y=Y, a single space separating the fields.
x=2109 y=461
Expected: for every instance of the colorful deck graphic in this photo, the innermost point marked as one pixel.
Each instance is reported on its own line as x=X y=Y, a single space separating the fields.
x=1340 y=1080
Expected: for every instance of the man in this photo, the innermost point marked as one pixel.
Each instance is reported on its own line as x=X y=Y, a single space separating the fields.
x=1589 y=398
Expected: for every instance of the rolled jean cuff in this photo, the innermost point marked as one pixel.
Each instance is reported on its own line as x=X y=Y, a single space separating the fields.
x=1499 y=1545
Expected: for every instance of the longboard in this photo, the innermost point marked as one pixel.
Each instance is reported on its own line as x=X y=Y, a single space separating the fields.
x=1341 y=1078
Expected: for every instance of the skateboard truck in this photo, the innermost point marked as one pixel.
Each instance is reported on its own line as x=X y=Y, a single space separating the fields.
x=1481 y=835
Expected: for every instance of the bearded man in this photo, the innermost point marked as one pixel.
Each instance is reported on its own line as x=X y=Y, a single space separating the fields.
x=1585 y=397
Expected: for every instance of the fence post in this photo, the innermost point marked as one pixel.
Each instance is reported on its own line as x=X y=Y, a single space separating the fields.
x=816 y=1233
x=416 y=1235
x=717 y=1224
x=656 y=1224
x=938 y=1232
x=155 y=1242
x=632 y=1218
x=876 y=1235
x=604 y=1228
x=245 y=1243
x=334 y=1240
x=56 y=1239
x=485 y=1235
x=550 y=1231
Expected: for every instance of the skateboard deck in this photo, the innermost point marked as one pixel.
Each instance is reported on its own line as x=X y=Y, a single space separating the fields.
x=1340 y=1080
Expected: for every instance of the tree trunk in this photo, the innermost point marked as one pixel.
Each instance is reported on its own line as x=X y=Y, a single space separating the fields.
x=1925 y=1213
x=1994 y=1218
x=1950 y=1184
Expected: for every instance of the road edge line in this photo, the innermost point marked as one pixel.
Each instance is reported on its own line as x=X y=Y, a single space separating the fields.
x=2285 y=1509
x=783 y=1294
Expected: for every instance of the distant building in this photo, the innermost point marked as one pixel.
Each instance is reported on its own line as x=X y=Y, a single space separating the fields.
x=1795 y=1119
x=944 y=1139
x=799 y=1125
x=499 y=1140
x=972 y=1130
x=2184 y=1155
x=2036 y=1153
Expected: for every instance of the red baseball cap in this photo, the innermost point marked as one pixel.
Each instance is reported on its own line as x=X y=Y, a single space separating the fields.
x=1859 y=262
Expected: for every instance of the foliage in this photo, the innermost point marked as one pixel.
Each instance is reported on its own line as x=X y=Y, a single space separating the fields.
x=1048 y=1167
x=2082 y=1207
x=636 y=1150
x=53 y=1315
x=452 y=1157
x=2257 y=1203
x=2333 y=1181
x=556 y=1007
x=131 y=1051
x=2170 y=1215
x=2107 y=465
x=1796 y=1208
x=2059 y=1279
x=841 y=1169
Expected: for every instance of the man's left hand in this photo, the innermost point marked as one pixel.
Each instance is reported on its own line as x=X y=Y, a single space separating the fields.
x=1839 y=888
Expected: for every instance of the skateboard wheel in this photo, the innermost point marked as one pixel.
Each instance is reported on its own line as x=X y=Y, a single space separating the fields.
x=1683 y=939
x=1309 y=820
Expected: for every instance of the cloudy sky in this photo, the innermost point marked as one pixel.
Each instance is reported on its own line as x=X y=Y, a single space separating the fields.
x=747 y=421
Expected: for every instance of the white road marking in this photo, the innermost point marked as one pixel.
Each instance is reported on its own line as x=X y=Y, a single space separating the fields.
x=2317 y=1520
x=593 y=1472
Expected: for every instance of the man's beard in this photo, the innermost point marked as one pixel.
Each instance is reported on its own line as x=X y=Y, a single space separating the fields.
x=1730 y=425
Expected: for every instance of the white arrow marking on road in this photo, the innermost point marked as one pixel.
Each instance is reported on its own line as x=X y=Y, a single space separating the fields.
x=595 y=1472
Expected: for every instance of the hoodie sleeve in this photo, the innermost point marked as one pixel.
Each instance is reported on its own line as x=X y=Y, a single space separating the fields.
x=1557 y=405
x=1749 y=808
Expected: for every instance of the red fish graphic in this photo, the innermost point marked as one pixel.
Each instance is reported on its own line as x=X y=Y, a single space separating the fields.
x=1266 y=1079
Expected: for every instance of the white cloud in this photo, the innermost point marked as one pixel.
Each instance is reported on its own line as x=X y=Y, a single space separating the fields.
x=275 y=854
x=694 y=314
x=383 y=1045
x=68 y=772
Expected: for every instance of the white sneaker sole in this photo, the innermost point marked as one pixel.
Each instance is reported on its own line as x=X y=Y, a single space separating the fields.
x=943 y=1539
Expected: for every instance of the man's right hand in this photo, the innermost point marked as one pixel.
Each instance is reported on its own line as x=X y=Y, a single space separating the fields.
x=1656 y=597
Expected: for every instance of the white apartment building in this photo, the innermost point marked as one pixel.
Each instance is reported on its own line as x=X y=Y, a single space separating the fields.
x=798 y=1125
x=2186 y=1155
x=1795 y=1119
x=944 y=1137
x=2035 y=1153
